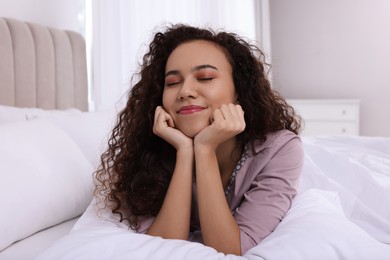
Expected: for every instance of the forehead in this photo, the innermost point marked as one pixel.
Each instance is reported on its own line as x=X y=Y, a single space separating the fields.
x=198 y=52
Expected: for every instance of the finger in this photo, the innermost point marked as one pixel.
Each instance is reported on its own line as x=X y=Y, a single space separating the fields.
x=156 y=114
x=163 y=118
x=166 y=118
x=169 y=120
x=232 y=112
x=235 y=111
x=217 y=116
x=160 y=117
x=240 y=111
x=226 y=112
x=237 y=119
x=241 y=117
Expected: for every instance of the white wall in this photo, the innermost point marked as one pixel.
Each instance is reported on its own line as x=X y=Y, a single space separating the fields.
x=62 y=14
x=335 y=49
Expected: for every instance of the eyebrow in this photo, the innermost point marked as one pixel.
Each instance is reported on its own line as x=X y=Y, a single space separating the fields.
x=205 y=66
x=196 y=68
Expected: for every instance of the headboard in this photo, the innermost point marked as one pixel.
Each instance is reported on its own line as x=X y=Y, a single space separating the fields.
x=42 y=67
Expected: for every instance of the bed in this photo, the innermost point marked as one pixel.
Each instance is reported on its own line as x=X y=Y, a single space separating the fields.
x=50 y=145
x=43 y=74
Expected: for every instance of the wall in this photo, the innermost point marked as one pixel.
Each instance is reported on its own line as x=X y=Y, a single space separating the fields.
x=335 y=49
x=55 y=13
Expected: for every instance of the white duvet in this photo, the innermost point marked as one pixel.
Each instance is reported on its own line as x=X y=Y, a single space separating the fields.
x=342 y=211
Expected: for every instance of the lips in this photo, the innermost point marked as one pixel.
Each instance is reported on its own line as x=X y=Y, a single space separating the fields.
x=185 y=110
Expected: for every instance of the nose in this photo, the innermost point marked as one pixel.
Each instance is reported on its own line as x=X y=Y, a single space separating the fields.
x=187 y=90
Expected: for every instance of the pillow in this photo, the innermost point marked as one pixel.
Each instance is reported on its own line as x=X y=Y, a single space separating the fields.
x=89 y=130
x=45 y=179
x=10 y=114
x=315 y=228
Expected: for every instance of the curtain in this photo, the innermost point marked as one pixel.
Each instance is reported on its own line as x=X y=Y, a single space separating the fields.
x=122 y=30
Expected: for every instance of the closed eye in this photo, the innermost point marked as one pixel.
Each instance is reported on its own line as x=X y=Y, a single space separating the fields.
x=205 y=79
x=172 y=78
x=172 y=83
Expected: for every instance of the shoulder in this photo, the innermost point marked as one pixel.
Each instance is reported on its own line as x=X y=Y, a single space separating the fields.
x=275 y=141
x=281 y=153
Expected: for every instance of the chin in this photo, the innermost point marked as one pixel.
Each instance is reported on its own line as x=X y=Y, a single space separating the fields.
x=191 y=133
x=192 y=130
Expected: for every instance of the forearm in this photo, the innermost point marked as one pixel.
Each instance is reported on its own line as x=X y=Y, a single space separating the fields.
x=173 y=220
x=219 y=228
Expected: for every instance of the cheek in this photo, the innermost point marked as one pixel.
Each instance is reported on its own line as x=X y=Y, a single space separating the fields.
x=166 y=100
x=224 y=95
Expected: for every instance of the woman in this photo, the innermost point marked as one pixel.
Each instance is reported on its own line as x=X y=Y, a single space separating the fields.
x=204 y=149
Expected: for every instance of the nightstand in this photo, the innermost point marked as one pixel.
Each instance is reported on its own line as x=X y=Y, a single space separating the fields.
x=328 y=116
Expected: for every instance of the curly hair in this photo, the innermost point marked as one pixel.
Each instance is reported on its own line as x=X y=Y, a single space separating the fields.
x=136 y=168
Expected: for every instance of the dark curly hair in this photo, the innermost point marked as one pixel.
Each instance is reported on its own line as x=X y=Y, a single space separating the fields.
x=136 y=168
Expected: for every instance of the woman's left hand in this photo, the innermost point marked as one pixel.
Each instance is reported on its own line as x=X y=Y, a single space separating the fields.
x=227 y=122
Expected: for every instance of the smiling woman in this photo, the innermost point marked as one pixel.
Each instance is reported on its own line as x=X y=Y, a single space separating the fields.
x=185 y=162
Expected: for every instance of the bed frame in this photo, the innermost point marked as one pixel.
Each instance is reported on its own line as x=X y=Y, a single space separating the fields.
x=42 y=67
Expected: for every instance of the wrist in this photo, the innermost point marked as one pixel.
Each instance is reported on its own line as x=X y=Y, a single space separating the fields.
x=184 y=151
x=205 y=149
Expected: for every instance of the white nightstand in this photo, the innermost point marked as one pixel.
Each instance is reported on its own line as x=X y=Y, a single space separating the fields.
x=328 y=116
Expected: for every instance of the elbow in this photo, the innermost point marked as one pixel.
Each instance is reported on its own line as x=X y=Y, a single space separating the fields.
x=225 y=244
x=168 y=234
x=227 y=249
x=246 y=242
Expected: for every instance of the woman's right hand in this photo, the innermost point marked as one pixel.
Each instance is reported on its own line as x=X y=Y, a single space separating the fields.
x=173 y=218
x=164 y=127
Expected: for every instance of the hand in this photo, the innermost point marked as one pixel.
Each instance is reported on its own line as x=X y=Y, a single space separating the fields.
x=164 y=127
x=227 y=122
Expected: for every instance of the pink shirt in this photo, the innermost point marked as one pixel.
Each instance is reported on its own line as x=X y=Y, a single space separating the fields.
x=263 y=188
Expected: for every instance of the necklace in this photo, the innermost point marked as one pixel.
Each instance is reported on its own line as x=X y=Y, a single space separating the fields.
x=239 y=165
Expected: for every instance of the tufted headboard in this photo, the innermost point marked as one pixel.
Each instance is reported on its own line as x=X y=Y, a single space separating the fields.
x=42 y=67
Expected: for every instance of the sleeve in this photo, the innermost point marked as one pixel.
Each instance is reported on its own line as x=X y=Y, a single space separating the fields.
x=270 y=195
x=144 y=224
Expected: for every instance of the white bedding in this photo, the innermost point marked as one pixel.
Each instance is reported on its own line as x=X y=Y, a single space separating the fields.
x=45 y=179
x=33 y=245
x=47 y=158
x=341 y=212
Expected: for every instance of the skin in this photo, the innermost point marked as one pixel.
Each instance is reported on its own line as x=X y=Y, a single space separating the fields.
x=201 y=118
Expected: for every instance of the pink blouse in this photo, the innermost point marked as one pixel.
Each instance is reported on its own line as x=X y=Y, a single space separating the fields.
x=263 y=188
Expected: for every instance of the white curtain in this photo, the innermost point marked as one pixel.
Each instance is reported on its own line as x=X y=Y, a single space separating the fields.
x=122 y=30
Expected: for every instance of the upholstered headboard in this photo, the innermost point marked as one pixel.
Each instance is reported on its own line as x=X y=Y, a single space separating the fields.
x=42 y=67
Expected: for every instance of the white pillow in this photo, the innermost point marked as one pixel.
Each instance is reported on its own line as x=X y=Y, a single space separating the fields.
x=316 y=228
x=10 y=114
x=89 y=130
x=45 y=179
